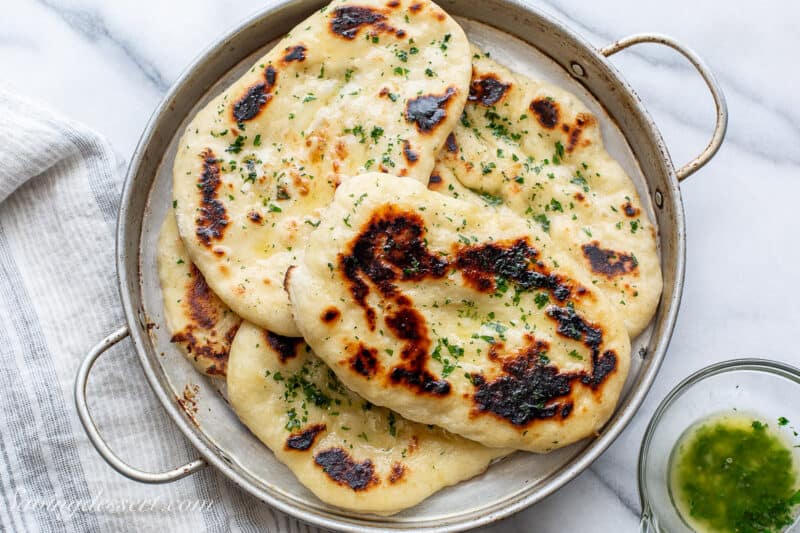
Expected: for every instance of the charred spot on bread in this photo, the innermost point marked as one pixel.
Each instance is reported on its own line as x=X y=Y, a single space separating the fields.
x=514 y=261
x=629 y=210
x=303 y=440
x=285 y=347
x=411 y=156
x=546 y=111
x=397 y=472
x=341 y=468
x=609 y=263
x=214 y=353
x=347 y=21
x=255 y=98
x=408 y=325
x=582 y=121
x=434 y=181
x=212 y=218
x=530 y=388
x=287 y=278
x=364 y=360
x=389 y=248
x=201 y=338
x=487 y=90
x=330 y=314
x=526 y=389
x=295 y=53
x=451 y=144
x=200 y=302
x=575 y=327
x=429 y=110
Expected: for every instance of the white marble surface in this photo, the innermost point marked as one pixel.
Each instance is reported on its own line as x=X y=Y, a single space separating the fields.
x=109 y=63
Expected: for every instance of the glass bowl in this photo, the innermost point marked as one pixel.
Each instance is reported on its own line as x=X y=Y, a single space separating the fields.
x=757 y=387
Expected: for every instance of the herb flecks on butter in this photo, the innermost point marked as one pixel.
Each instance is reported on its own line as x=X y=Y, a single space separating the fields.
x=734 y=474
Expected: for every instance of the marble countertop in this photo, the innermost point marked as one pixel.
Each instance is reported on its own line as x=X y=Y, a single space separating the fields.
x=108 y=64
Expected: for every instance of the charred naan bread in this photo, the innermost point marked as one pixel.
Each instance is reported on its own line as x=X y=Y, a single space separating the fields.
x=359 y=85
x=345 y=450
x=538 y=150
x=424 y=304
x=198 y=321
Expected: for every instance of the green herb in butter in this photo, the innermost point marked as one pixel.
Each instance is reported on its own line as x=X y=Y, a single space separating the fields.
x=734 y=474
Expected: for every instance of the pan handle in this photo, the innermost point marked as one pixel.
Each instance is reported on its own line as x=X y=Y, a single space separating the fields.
x=716 y=93
x=94 y=435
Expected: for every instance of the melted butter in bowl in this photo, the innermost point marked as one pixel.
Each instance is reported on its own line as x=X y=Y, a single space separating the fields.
x=722 y=452
x=735 y=473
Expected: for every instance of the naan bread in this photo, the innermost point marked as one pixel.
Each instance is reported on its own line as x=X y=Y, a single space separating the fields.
x=346 y=451
x=538 y=150
x=201 y=325
x=456 y=317
x=361 y=84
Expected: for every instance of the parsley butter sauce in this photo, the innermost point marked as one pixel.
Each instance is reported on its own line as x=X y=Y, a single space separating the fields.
x=735 y=473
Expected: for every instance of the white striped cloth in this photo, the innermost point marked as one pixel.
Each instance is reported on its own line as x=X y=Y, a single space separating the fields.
x=59 y=193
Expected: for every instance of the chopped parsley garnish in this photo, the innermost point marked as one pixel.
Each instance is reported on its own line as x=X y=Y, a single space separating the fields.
x=236 y=146
x=455 y=351
x=575 y=355
x=555 y=205
x=558 y=156
x=486 y=168
x=543 y=221
x=541 y=299
x=490 y=198
x=580 y=181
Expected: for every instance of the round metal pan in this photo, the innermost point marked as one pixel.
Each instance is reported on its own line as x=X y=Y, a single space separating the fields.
x=526 y=41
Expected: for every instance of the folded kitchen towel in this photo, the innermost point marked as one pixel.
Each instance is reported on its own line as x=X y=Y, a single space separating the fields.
x=59 y=194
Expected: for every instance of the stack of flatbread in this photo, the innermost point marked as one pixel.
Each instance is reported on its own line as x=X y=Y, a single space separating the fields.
x=406 y=260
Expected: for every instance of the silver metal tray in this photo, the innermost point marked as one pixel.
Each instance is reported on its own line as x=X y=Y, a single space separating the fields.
x=528 y=42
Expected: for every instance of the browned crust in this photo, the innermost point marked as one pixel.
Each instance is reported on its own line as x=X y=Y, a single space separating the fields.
x=331 y=314
x=347 y=22
x=212 y=217
x=342 y=469
x=295 y=53
x=487 y=89
x=284 y=347
x=428 y=111
x=255 y=99
x=546 y=111
x=397 y=473
x=608 y=263
x=304 y=439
